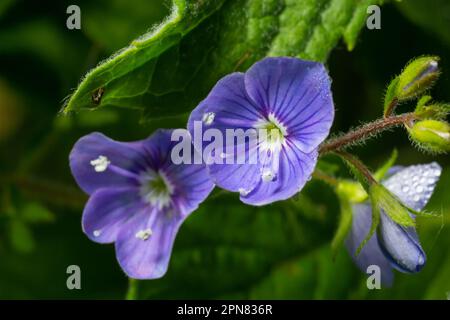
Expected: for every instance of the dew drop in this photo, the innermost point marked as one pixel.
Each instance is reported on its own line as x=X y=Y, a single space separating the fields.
x=421 y=260
x=97 y=233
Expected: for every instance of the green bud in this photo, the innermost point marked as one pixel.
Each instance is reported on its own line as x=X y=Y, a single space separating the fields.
x=353 y=191
x=432 y=135
x=418 y=76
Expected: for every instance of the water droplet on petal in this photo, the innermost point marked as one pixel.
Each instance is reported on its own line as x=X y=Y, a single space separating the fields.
x=97 y=233
x=421 y=260
x=405 y=189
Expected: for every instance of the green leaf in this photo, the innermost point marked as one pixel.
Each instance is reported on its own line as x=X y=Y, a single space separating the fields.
x=345 y=222
x=170 y=69
x=21 y=237
x=391 y=205
x=36 y=213
x=383 y=170
x=123 y=20
x=422 y=102
x=376 y=213
x=358 y=21
x=390 y=97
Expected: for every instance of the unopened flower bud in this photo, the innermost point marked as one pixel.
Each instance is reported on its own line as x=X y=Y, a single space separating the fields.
x=432 y=135
x=418 y=76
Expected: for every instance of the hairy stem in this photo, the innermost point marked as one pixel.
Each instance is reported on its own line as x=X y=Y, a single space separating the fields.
x=319 y=175
x=365 y=132
x=358 y=165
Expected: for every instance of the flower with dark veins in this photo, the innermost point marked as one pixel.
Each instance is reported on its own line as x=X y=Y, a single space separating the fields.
x=394 y=246
x=291 y=99
x=138 y=197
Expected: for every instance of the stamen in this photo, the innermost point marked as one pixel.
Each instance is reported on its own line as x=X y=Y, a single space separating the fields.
x=208 y=118
x=268 y=175
x=144 y=234
x=100 y=164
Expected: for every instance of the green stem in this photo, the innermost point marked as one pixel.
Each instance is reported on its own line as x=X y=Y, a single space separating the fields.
x=322 y=176
x=132 y=293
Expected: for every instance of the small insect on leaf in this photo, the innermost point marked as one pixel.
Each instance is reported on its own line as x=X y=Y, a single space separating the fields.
x=97 y=96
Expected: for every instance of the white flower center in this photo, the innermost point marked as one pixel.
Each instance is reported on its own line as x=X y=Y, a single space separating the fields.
x=156 y=188
x=271 y=133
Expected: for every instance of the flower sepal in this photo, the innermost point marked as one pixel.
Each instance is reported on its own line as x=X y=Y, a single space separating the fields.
x=418 y=76
x=390 y=205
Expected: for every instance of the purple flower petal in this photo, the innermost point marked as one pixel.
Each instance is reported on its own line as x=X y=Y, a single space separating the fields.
x=295 y=169
x=414 y=185
x=145 y=242
x=97 y=161
x=371 y=253
x=192 y=185
x=400 y=245
x=298 y=93
x=107 y=210
x=228 y=106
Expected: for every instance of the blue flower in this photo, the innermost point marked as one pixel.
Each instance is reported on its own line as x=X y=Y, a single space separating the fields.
x=290 y=99
x=138 y=197
x=394 y=246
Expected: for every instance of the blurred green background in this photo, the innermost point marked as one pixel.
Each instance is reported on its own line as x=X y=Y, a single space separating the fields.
x=225 y=249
